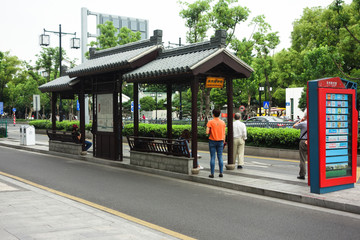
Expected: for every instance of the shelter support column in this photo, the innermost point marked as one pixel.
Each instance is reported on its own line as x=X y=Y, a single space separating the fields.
x=194 y=113
x=169 y=111
x=121 y=120
x=82 y=115
x=136 y=109
x=230 y=112
x=116 y=127
x=53 y=110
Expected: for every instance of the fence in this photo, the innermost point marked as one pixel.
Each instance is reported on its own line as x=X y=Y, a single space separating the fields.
x=3 y=128
x=270 y=124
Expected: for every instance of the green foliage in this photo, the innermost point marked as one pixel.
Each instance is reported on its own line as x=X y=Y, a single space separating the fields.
x=109 y=37
x=147 y=103
x=3 y=132
x=273 y=137
x=227 y=17
x=64 y=125
x=197 y=20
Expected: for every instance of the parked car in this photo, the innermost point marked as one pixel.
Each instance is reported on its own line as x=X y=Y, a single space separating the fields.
x=267 y=122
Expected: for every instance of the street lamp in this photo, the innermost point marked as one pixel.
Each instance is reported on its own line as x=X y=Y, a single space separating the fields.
x=74 y=43
x=45 y=41
x=156 y=106
x=261 y=89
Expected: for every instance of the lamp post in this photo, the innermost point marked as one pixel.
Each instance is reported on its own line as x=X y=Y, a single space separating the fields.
x=45 y=41
x=267 y=89
x=261 y=89
x=156 y=106
x=74 y=43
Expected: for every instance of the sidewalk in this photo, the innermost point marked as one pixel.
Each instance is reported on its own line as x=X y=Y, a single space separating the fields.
x=31 y=213
x=262 y=182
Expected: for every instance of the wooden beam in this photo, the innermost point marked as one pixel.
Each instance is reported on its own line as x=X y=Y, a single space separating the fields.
x=82 y=115
x=169 y=110
x=194 y=113
x=230 y=111
x=136 y=109
x=121 y=120
x=53 y=110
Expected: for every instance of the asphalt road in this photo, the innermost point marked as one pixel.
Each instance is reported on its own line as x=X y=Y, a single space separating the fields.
x=196 y=210
x=254 y=163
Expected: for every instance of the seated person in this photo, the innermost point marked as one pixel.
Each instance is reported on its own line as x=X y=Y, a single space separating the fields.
x=185 y=135
x=77 y=134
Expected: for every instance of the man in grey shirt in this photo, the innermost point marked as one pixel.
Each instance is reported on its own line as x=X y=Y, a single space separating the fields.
x=302 y=125
x=240 y=136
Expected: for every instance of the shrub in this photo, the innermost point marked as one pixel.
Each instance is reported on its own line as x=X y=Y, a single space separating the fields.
x=64 y=125
x=259 y=137
x=3 y=132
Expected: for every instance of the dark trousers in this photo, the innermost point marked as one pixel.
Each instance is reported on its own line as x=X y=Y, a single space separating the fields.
x=303 y=157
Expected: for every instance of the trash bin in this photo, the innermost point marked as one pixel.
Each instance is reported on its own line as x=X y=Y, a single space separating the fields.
x=29 y=135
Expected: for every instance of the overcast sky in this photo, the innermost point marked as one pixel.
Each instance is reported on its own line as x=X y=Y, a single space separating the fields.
x=22 y=21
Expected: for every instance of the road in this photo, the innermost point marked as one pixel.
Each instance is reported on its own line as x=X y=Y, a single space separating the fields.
x=254 y=163
x=196 y=210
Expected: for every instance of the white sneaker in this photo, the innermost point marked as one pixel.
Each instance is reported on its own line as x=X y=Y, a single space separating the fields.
x=200 y=167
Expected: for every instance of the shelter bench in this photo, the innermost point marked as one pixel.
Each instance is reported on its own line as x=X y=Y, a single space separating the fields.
x=64 y=142
x=160 y=153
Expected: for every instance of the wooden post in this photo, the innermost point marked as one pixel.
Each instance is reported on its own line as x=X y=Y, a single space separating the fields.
x=136 y=109
x=169 y=111
x=116 y=129
x=53 y=110
x=194 y=140
x=82 y=115
x=121 y=120
x=230 y=111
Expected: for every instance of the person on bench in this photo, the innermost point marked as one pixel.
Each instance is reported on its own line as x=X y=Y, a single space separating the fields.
x=77 y=134
x=185 y=135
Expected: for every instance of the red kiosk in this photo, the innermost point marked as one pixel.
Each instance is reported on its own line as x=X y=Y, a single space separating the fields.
x=332 y=134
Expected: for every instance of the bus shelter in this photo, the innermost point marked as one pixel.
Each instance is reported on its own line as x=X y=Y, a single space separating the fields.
x=207 y=62
x=101 y=77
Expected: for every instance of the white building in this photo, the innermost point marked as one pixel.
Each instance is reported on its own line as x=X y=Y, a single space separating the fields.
x=293 y=96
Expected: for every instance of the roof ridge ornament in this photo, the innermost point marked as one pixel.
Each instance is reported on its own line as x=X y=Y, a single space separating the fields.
x=219 y=39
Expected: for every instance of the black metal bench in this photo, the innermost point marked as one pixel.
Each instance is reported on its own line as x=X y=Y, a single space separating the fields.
x=62 y=136
x=159 y=145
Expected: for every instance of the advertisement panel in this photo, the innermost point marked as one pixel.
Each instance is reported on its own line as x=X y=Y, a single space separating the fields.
x=332 y=134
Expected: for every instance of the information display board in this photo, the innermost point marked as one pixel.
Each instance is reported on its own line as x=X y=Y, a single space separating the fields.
x=338 y=135
x=332 y=135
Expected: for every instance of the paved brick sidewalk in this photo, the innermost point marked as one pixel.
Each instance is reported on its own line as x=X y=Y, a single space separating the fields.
x=28 y=212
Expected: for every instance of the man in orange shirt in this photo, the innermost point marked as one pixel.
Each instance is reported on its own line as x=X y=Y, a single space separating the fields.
x=216 y=129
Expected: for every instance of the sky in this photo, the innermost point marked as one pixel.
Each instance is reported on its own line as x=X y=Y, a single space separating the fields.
x=22 y=21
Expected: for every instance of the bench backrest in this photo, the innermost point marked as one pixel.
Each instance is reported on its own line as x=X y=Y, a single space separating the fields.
x=62 y=136
x=159 y=145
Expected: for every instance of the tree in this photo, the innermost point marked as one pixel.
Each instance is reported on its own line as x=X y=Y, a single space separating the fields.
x=9 y=68
x=109 y=37
x=196 y=19
x=264 y=42
x=228 y=18
x=147 y=103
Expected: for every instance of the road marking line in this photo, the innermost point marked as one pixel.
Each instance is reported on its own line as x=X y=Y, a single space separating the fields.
x=103 y=208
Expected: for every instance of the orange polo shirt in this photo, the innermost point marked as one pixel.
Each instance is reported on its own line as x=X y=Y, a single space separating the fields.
x=217 y=129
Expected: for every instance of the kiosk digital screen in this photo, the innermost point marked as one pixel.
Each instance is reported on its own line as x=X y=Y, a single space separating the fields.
x=338 y=135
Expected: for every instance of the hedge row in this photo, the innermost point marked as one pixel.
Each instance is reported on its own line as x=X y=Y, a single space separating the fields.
x=64 y=125
x=259 y=137
x=2 y=132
